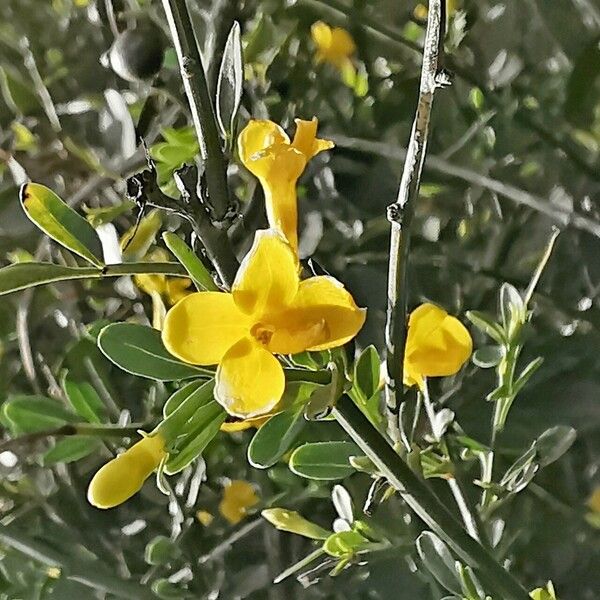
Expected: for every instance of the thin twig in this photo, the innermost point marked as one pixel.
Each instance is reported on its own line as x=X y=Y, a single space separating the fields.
x=436 y=164
x=401 y=213
x=201 y=106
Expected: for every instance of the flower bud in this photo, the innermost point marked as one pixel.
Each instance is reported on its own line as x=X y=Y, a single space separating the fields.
x=124 y=476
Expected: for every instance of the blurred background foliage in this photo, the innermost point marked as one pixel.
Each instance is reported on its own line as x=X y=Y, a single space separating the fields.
x=514 y=148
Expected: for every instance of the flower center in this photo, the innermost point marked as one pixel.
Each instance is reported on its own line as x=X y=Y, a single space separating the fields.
x=262 y=333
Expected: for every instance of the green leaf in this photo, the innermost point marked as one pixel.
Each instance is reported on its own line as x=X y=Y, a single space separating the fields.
x=553 y=443
x=19 y=96
x=85 y=400
x=367 y=372
x=191 y=263
x=207 y=422
x=139 y=350
x=28 y=414
x=344 y=543
x=324 y=460
x=275 y=438
x=70 y=449
x=438 y=560
x=161 y=550
x=486 y=324
x=290 y=520
x=230 y=82
x=182 y=394
x=60 y=222
x=512 y=307
x=488 y=356
x=527 y=374
x=470 y=585
x=21 y=276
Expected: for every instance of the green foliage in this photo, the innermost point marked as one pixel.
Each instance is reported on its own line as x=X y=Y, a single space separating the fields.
x=324 y=460
x=59 y=221
x=139 y=350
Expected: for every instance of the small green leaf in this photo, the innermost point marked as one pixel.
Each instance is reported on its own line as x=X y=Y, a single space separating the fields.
x=367 y=372
x=20 y=276
x=182 y=394
x=324 y=460
x=438 y=560
x=206 y=424
x=488 y=356
x=512 y=307
x=161 y=550
x=553 y=443
x=275 y=438
x=486 y=324
x=85 y=400
x=27 y=414
x=60 y=222
x=470 y=585
x=139 y=350
x=230 y=83
x=192 y=264
x=70 y=449
x=290 y=520
x=344 y=543
x=527 y=374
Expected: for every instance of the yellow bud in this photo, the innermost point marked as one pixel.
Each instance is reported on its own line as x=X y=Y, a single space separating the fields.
x=124 y=476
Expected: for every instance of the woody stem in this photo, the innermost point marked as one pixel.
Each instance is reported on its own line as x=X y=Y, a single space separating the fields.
x=401 y=214
x=201 y=106
x=425 y=503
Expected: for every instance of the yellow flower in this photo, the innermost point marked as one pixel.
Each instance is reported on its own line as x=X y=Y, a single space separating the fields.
x=124 y=476
x=238 y=497
x=265 y=150
x=269 y=311
x=204 y=517
x=334 y=45
x=437 y=345
x=171 y=289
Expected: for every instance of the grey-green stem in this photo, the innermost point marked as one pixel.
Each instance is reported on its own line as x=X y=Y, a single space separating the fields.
x=201 y=106
x=401 y=214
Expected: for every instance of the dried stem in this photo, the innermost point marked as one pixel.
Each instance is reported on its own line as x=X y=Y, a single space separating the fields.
x=401 y=214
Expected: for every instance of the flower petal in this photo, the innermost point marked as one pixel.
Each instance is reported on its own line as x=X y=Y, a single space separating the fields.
x=249 y=380
x=203 y=326
x=306 y=139
x=321 y=35
x=267 y=280
x=438 y=345
x=323 y=315
x=342 y=43
x=256 y=137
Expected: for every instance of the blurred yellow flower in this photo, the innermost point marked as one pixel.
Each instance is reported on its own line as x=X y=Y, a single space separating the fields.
x=124 y=476
x=593 y=502
x=437 y=345
x=204 y=517
x=266 y=151
x=421 y=11
x=269 y=311
x=334 y=45
x=238 y=497
x=170 y=289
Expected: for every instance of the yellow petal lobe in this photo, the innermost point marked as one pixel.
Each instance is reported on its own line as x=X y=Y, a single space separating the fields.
x=323 y=315
x=306 y=141
x=256 y=137
x=124 y=476
x=249 y=380
x=203 y=326
x=437 y=345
